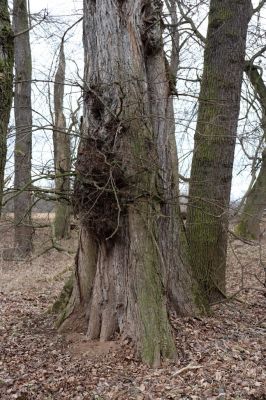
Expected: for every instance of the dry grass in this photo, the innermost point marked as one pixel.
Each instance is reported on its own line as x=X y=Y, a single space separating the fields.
x=46 y=270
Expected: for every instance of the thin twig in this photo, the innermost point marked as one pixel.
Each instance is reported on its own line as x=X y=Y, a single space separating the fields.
x=187 y=368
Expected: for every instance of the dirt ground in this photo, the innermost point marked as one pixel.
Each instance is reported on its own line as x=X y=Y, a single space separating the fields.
x=219 y=357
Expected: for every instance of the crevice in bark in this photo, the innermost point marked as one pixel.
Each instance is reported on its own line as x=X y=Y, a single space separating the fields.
x=74 y=315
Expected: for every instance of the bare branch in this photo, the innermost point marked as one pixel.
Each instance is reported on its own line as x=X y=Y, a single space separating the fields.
x=259 y=7
x=191 y=22
x=258 y=54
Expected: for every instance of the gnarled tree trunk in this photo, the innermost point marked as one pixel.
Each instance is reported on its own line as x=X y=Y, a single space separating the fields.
x=129 y=266
x=6 y=85
x=23 y=122
x=212 y=164
x=255 y=203
x=62 y=158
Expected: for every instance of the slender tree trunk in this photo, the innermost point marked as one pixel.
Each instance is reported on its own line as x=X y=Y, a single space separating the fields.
x=173 y=243
x=129 y=266
x=62 y=158
x=211 y=172
x=6 y=85
x=23 y=121
x=255 y=203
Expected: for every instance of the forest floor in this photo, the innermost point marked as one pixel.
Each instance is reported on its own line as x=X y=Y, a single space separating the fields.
x=219 y=357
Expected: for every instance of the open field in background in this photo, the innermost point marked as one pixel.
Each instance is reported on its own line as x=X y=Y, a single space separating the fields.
x=219 y=357
x=40 y=273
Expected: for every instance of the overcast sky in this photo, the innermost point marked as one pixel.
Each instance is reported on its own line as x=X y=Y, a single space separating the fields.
x=45 y=42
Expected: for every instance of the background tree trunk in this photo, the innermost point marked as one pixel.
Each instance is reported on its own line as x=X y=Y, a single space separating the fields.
x=62 y=158
x=129 y=267
x=23 y=121
x=255 y=203
x=173 y=243
x=212 y=164
x=6 y=85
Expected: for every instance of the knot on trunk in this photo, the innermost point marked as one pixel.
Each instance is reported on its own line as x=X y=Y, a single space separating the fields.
x=151 y=33
x=98 y=198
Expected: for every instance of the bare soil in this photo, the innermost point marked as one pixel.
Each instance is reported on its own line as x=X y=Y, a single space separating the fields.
x=219 y=357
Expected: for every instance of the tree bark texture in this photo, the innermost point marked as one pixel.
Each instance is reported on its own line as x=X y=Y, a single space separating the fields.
x=62 y=157
x=255 y=203
x=23 y=122
x=6 y=85
x=129 y=266
x=212 y=164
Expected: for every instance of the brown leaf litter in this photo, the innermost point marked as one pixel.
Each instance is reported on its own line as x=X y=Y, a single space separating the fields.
x=219 y=357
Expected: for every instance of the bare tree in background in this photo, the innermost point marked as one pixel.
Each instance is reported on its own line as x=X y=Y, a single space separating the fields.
x=6 y=85
x=212 y=165
x=23 y=122
x=255 y=202
x=62 y=157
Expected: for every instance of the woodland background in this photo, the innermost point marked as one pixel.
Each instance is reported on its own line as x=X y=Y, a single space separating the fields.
x=108 y=232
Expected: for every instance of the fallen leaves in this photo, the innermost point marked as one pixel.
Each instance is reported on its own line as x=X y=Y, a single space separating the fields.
x=220 y=357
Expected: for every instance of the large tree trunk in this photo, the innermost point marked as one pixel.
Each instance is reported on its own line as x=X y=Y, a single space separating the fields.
x=62 y=158
x=255 y=204
x=6 y=85
x=211 y=172
x=129 y=267
x=23 y=121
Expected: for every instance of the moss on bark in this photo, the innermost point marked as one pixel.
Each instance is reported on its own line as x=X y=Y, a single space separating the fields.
x=60 y=306
x=211 y=172
x=61 y=302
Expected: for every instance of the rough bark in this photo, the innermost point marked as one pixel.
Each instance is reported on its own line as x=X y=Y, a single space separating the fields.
x=212 y=164
x=6 y=85
x=62 y=158
x=255 y=203
x=173 y=243
x=23 y=122
x=129 y=267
